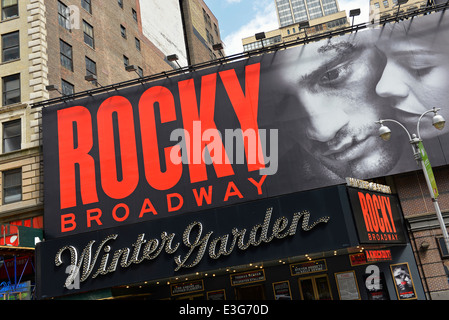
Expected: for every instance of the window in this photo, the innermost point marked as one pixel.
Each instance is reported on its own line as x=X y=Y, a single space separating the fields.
x=88 y=31
x=135 y=15
x=125 y=61
x=120 y=3
x=123 y=31
x=10 y=9
x=12 y=186
x=10 y=46
x=91 y=67
x=386 y=5
x=64 y=16
x=12 y=137
x=67 y=88
x=66 y=55
x=87 y=5
x=140 y=71
x=11 y=89
x=376 y=5
x=138 y=44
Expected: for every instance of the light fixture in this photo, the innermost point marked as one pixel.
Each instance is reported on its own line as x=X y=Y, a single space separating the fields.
x=304 y=25
x=418 y=152
x=424 y=246
x=217 y=46
x=353 y=13
x=384 y=132
x=51 y=87
x=133 y=68
x=260 y=36
x=92 y=78
x=173 y=58
x=438 y=121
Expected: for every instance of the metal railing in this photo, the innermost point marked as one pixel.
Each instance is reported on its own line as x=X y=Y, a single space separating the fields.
x=406 y=14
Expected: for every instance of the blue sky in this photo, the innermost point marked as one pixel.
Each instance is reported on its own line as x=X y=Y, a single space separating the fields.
x=242 y=18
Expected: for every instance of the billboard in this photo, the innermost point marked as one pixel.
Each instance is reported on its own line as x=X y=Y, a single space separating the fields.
x=288 y=121
x=378 y=217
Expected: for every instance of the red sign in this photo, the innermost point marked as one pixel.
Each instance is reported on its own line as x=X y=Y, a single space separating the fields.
x=378 y=217
x=378 y=255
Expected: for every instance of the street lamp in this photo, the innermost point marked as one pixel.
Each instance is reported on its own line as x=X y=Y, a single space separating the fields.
x=421 y=156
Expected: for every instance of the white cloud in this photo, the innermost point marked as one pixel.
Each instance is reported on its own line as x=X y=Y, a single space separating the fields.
x=264 y=20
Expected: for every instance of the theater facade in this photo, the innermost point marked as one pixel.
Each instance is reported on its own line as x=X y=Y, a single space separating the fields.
x=263 y=178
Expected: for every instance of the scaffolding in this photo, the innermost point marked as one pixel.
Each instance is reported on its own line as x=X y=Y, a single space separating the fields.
x=14 y=261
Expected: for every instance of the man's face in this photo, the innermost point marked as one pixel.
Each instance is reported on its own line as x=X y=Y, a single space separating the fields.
x=335 y=85
x=415 y=80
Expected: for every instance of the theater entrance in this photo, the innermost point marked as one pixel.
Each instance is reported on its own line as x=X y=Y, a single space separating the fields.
x=315 y=288
x=255 y=292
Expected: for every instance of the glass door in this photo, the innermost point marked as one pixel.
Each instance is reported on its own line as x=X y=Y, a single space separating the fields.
x=315 y=288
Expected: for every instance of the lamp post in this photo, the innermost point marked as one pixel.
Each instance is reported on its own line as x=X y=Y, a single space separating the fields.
x=421 y=156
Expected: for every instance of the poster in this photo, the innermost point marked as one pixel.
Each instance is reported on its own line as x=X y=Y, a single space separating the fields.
x=347 y=285
x=282 y=290
x=405 y=288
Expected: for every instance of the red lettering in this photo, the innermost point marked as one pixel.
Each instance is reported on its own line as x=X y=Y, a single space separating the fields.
x=147 y=207
x=68 y=220
x=376 y=207
x=153 y=173
x=113 y=186
x=114 y=212
x=258 y=184
x=172 y=208
x=387 y=204
x=384 y=214
x=372 y=213
x=190 y=114
x=73 y=151
x=91 y=217
x=231 y=191
x=365 y=212
x=246 y=107
x=203 y=195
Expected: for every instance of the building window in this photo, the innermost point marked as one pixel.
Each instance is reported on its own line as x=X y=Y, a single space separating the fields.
x=386 y=5
x=123 y=31
x=12 y=137
x=138 y=44
x=10 y=9
x=12 y=186
x=140 y=71
x=120 y=3
x=88 y=31
x=11 y=89
x=10 y=46
x=91 y=67
x=87 y=5
x=216 y=30
x=125 y=61
x=67 y=88
x=64 y=16
x=66 y=55
x=134 y=15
